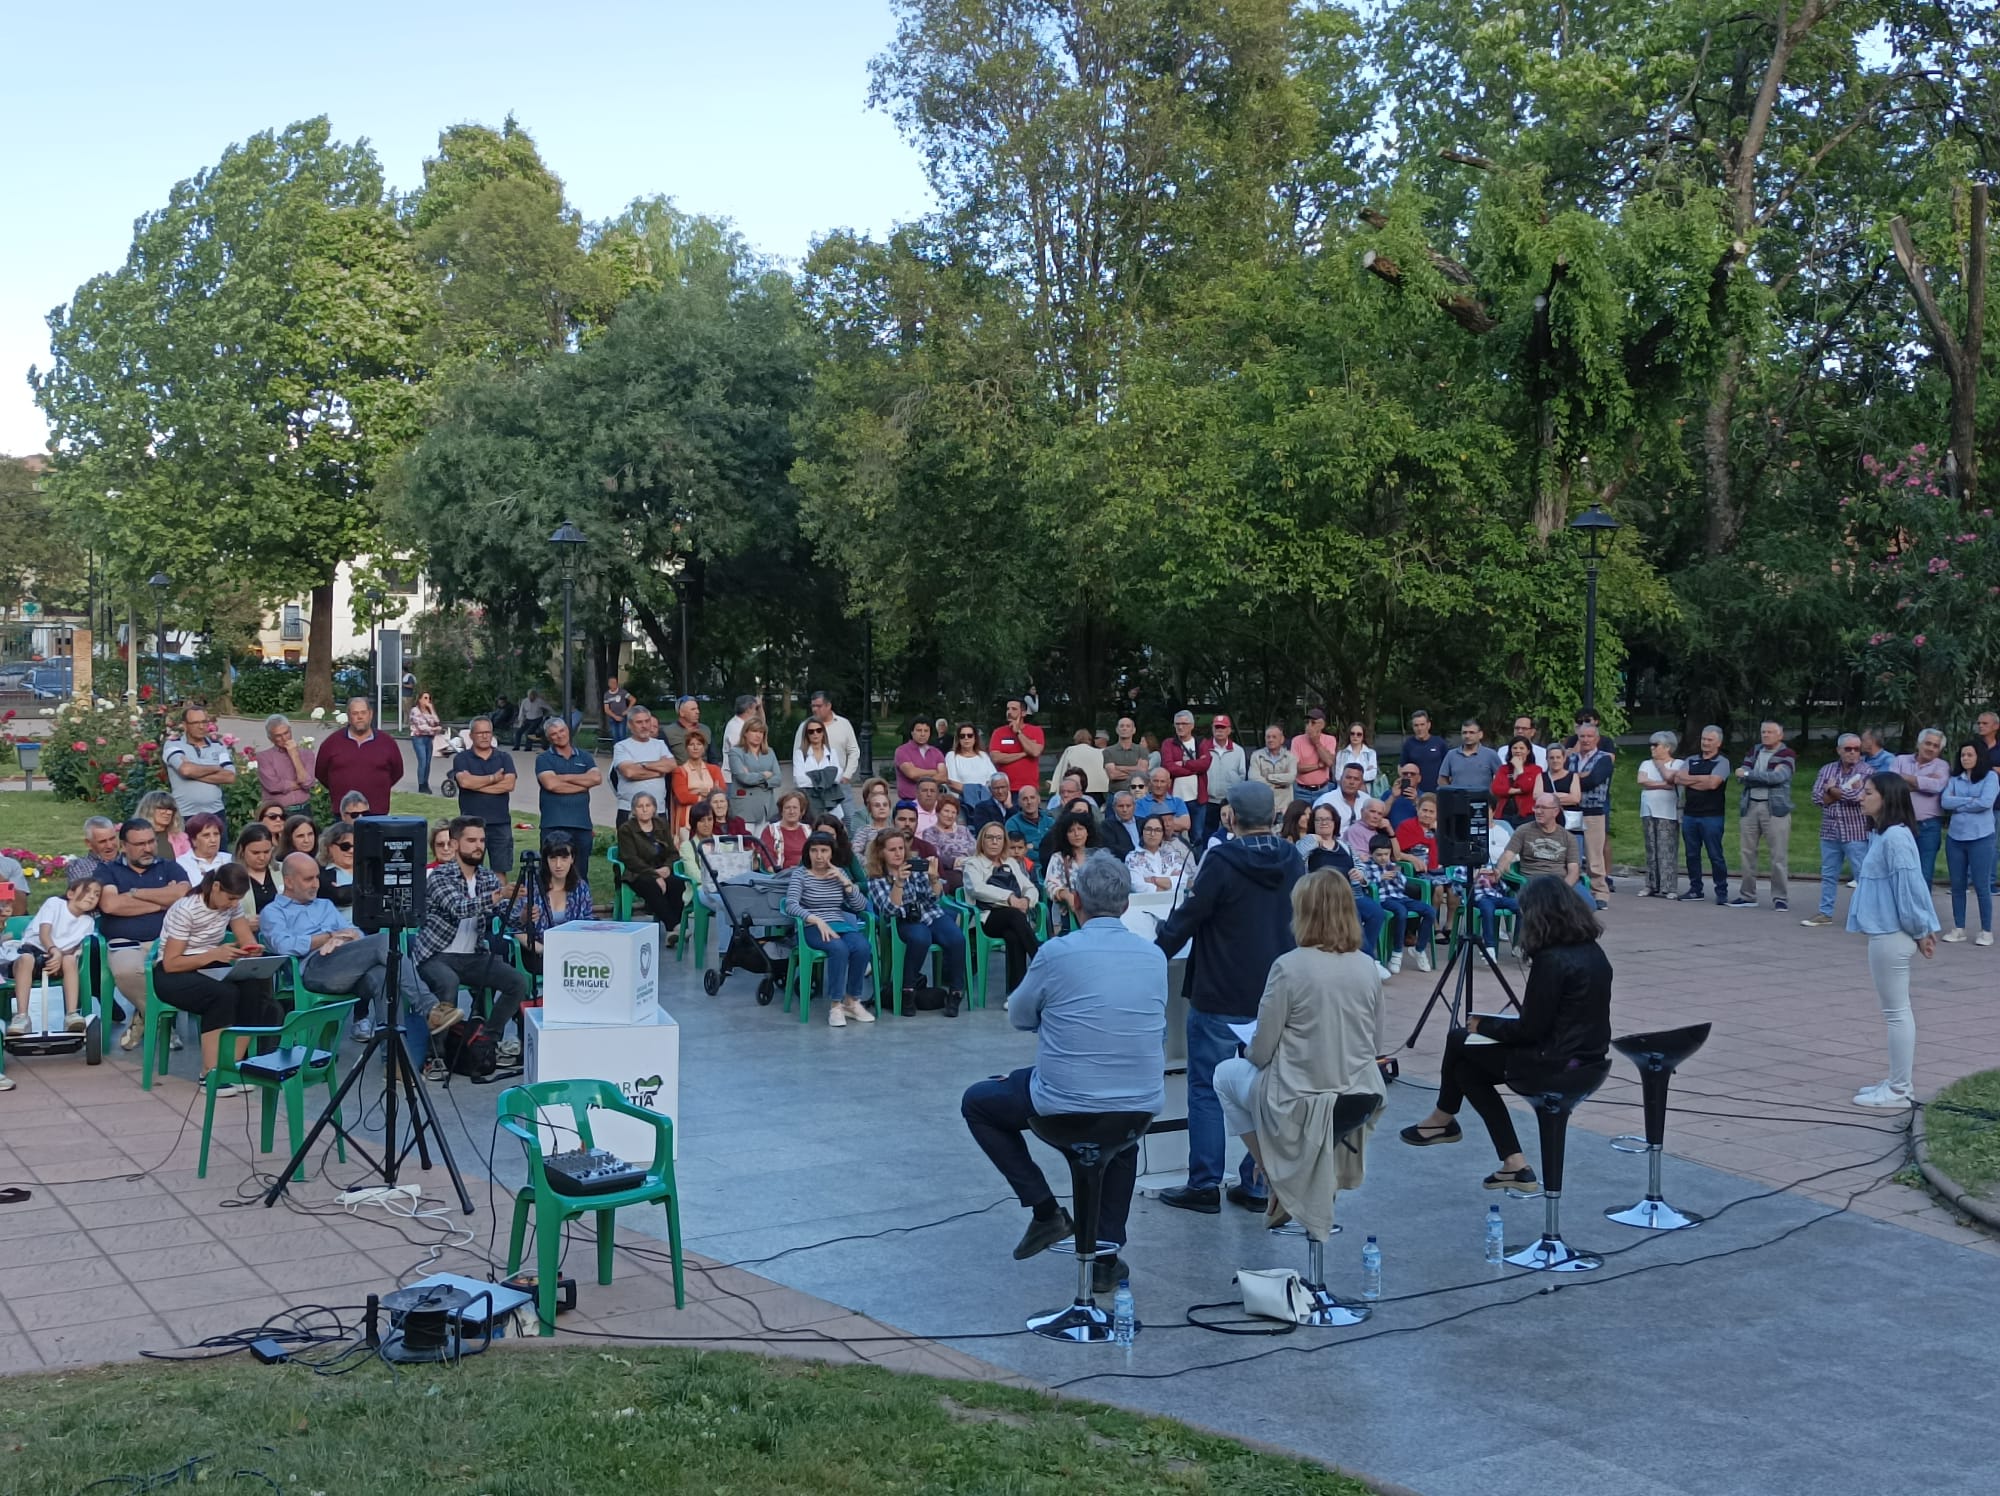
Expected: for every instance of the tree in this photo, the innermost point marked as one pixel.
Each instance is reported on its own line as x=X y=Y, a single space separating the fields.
x=223 y=404
x=44 y=561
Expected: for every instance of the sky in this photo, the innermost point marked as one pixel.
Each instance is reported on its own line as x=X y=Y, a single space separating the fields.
x=751 y=110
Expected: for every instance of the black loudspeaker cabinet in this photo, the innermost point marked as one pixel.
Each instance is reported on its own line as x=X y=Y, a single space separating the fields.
x=1463 y=824
x=389 y=855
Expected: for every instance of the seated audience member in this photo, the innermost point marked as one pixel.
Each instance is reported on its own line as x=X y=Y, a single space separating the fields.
x=100 y=849
x=1324 y=847
x=1003 y=895
x=336 y=876
x=1160 y=801
x=1361 y=832
x=558 y=894
x=139 y=888
x=1028 y=822
x=1097 y=1000
x=1417 y=838
x=441 y=852
x=1157 y=865
x=1490 y=899
x=929 y=793
x=785 y=838
x=1565 y=1022
x=994 y=809
x=335 y=958
x=299 y=834
x=1347 y=796
x=921 y=852
x=1385 y=885
x=647 y=851
x=1120 y=830
x=1018 y=849
x=1295 y=826
x=1543 y=847
x=952 y=841
x=725 y=823
x=877 y=802
x=1319 y=1030
x=353 y=806
x=905 y=899
x=52 y=946
x=459 y=902
x=1069 y=847
x=843 y=846
x=254 y=850
x=158 y=808
x=1404 y=798
x=191 y=938
x=822 y=896
x=205 y=851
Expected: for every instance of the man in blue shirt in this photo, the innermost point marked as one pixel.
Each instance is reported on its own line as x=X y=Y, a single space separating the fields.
x=567 y=778
x=1879 y=759
x=1159 y=800
x=1423 y=750
x=139 y=888
x=1096 y=1000
x=336 y=959
x=1027 y=821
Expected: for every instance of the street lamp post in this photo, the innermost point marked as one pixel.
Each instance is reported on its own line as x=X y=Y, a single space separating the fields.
x=374 y=597
x=568 y=541
x=1594 y=522
x=159 y=581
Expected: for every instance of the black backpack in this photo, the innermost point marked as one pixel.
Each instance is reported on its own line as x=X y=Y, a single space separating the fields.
x=467 y=1049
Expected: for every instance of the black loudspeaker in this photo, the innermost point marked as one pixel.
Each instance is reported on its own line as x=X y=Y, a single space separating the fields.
x=389 y=855
x=1463 y=824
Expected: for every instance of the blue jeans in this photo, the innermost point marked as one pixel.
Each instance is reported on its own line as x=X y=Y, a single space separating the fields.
x=918 y=939
x=1373 y=917
x=1209 y=1043
x=1831 y=855
x=1401 y=911
x=1971 y=861
x=1704 y=833
x=1929 y=834
x=1489 y=906
x=423 y=747
x=847 y=959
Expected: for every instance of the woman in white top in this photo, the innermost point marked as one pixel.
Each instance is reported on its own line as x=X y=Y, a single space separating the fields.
x=1660 y=815
x=1356 y=751
x=204 y=854
x=815 y=756
x=191 y=943
x=967 y=769
x=1156 y=863
x=54 y=943
x=1002 y=892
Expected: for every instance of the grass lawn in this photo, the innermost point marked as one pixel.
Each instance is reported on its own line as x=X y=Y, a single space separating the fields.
x=531 y=1422
x=37 y=820
x=1962 y=1127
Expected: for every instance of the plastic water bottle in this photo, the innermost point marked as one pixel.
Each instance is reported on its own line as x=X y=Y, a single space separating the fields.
x=1371 y=1270
x=1124 y=1315
x=1496 y=1236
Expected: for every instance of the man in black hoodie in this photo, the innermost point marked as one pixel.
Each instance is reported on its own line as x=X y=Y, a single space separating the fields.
x=1238 y=912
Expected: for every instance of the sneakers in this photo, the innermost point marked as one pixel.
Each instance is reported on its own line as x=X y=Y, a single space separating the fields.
x=1780 y=905
x=953 y=1000
x=134 y=1035
x=18 y=1024
x=1692 y=896
x=1885 y=1096
x=435 y=1069
x=1491 y=954
x=6 y=1082
x=76 y=1023
x=1396 y=964
x=1383 y=972
x=1722 y=898
x=1423 y=960
x=508 y=1048
x=836 y=1016
x=441 y=1017
x=363 y=1030
x=856 y=1011
x=1953 y=938
x=1814 y=921
x=1740 y=902
x=174 y=1040
x=1984 y=937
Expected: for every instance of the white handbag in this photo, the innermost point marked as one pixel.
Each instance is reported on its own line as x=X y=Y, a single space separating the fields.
x=1275 y=1293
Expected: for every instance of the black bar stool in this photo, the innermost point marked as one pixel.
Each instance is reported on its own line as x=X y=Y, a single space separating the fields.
x=1553 y=1102
x=1089 y=1140
x=1657 y=1055
x=1351 y=1113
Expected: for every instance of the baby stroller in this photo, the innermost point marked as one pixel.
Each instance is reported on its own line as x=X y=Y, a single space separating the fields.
x=752 y=900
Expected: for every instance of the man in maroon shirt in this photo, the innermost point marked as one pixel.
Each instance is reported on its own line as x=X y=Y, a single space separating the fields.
x=1016 y=747
x=359 y=759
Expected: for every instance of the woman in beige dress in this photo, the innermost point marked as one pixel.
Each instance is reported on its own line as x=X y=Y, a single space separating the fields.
x=1319 y=1030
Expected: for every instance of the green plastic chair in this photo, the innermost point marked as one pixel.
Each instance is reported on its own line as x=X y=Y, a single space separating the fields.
x=622 y=897
x=161 y=1016
x=307 y=1053
x=94 y=964
x=980 y=948
x=806 y=962
x=520 y=1109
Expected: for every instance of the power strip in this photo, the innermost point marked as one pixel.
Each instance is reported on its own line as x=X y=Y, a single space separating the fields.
x=371 y=1194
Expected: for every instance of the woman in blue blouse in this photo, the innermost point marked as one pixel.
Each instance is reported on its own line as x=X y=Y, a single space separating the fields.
x=557 y=894
x=1892 y=907
x=1968 y=848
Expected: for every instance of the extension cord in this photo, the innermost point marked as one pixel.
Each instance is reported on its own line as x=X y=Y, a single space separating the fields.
x=370 y=1194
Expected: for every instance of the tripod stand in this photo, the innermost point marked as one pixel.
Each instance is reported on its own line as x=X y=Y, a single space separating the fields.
x=1457 y=973
x=398 y=1071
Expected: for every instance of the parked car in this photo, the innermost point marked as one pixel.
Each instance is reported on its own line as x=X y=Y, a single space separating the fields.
x=50 y=682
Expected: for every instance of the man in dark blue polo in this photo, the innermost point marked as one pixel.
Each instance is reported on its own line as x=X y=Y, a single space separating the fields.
x=1424 y=750
x=138 y=889
x=567 y=778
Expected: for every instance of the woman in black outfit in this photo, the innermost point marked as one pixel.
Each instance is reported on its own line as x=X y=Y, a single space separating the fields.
x=1565 y=1023
x=646 y=847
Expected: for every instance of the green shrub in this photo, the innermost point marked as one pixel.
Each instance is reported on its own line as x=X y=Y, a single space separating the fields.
x=263 y=689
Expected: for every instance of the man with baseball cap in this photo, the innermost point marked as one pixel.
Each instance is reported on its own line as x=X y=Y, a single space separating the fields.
x=1238 y=913
x=1228 y=766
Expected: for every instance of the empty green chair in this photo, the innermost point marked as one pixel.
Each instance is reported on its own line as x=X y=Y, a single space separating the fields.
x=308 y=1046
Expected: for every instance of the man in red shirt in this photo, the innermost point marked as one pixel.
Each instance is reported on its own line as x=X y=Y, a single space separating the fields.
x=1016 y=747
x=359 y=759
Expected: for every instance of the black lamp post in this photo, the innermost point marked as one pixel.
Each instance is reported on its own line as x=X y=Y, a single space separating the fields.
x=1594 y=522
x=374 y=597
x=159 y=581
x=569 y=542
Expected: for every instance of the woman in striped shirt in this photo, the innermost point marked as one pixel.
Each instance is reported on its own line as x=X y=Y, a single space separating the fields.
x=191 y=939
x=825 y=898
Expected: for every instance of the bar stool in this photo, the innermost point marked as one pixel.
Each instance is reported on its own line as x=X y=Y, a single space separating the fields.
x=1553 y=1101
x=1089 y=1140
x=1351 y=1113
x=1657 y=1055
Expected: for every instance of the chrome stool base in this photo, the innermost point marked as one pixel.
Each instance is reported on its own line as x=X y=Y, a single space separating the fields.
x=1554 y=1255
x=1080 y=1324
x=1654 y=1215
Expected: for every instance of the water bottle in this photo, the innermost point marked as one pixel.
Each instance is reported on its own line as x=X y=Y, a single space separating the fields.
x=1124 y=1319
x=1496 y=1236
x=1371 y=1270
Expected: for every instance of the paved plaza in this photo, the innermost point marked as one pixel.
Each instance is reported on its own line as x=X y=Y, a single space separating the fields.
x=1790 y=1344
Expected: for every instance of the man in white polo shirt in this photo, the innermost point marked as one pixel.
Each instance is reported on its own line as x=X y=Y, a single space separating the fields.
x=640 y=762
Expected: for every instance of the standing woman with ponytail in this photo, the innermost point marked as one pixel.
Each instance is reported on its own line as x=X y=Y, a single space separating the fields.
x=1892 y=907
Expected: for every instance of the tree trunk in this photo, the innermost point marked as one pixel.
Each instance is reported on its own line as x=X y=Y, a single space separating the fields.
x=1724 y=516
x=1959 y=356
x=319 y=648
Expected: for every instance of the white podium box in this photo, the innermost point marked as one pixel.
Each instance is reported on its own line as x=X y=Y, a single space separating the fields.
x=643 y=1060
x=601 y=971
